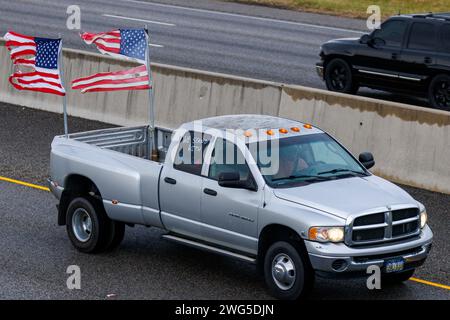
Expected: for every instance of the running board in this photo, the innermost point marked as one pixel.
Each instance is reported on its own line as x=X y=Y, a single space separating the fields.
x=206 y=247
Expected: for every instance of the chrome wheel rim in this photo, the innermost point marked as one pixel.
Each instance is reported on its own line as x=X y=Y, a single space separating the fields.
x=82 y=225
x=283 y=271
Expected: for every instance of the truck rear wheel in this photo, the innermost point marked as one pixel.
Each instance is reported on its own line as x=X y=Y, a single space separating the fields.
x=117 y=233
x=88 y=227
x=287 y=275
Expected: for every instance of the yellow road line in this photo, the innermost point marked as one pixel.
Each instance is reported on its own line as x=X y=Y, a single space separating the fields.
x=35 y=186
x=26 y=184
x=438 y=285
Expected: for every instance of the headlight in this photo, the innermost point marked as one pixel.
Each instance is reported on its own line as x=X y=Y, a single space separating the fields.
x=326 y=234
x=423 y=219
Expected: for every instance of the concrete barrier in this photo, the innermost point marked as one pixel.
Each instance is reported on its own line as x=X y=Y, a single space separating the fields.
x=411 y=144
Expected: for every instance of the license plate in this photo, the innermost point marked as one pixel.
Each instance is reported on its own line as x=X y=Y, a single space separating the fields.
x=394 y=265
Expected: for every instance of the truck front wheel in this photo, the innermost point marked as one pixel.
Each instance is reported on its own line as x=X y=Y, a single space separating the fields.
x=287 y=275
x=88 y=227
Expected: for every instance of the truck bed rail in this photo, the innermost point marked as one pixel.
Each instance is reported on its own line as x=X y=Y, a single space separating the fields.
x=129 y=140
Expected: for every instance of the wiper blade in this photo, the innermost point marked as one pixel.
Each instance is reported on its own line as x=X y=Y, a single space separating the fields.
x=306 y=177
x=342 y=170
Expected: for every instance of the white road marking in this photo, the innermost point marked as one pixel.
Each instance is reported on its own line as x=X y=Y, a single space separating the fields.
x=142 y=20
x=155 y=45
x=238 y=15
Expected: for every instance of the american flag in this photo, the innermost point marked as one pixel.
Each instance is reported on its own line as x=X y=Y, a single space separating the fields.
x=133 y=79
x=39 y=54
x=130 y=43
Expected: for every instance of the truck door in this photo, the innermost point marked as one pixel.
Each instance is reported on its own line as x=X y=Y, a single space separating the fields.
x=229 y=216
x=181 y=185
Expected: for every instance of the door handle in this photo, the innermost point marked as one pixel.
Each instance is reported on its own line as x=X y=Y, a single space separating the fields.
x=170 y=180
x=394 y=56
x=427 y=60
x=210 y=192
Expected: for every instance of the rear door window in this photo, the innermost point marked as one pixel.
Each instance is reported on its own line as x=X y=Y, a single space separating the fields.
x=422 y=36
x=191 y=152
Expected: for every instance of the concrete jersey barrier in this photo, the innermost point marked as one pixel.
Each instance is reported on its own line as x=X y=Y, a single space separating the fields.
x=411 y=144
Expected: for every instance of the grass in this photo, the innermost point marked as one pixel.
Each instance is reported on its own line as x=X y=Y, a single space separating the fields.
x=356 y=8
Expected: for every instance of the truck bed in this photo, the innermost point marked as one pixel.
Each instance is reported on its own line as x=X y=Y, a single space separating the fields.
x=133 y=141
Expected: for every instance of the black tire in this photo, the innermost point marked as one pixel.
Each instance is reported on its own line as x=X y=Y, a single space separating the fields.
x=396 y=278
x=339 y=77
x=99 y=237
x=303 y=276
x=117 y=234
x=439 y=92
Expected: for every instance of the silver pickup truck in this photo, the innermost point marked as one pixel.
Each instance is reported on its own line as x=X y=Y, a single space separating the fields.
x=275 y=192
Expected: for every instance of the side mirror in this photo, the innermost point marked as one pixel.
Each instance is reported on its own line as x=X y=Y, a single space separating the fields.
x=233 y=180
x=367 y=160
x=378 y=42
x=365 y=39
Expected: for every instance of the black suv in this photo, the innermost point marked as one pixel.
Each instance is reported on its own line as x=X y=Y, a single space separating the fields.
x=409 y=53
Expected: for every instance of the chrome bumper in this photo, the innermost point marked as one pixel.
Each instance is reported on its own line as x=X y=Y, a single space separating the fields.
x=55 y=188
x=339 y=258
x=320 y=70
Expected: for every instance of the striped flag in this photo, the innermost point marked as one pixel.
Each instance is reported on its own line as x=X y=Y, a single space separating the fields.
x=133 y=79
x=41 y=55
x=129 y=43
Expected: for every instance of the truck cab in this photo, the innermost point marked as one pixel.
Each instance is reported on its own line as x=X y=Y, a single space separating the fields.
x=275 y=192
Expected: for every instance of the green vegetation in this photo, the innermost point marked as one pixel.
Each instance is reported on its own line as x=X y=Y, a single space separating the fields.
x=356 y=8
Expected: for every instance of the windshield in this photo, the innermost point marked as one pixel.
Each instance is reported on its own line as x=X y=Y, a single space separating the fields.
x=288 y=162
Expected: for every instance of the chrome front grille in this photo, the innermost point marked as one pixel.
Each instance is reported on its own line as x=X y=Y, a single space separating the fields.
x=377 y=227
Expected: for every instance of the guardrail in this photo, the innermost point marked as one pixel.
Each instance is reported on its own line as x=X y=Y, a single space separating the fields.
x=411 y=144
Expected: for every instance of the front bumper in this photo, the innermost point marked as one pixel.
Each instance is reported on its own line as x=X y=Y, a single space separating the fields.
x=320 y=70
x=335 y=259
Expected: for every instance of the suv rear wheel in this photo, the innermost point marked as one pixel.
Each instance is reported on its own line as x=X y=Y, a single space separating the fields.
x=287 y=274
x=339 y=78
x=439 y=92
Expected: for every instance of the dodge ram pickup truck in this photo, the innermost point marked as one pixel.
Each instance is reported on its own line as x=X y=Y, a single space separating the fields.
x=278 y=193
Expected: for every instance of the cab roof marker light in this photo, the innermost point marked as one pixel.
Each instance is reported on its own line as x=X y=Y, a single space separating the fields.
x=307 y=126
x=270 y=132
x=248 y=134
x=295 y=129
x=284 y=131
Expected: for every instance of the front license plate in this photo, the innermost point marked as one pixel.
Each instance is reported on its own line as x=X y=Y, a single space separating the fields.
x=394 y=265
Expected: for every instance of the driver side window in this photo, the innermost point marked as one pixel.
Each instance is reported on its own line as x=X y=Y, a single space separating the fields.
x=392 y=32
x=226 y=157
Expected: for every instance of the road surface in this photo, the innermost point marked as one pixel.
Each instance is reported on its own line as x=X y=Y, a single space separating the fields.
x=250 y=41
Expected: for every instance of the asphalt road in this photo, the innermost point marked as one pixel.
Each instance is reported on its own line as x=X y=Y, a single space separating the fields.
x=35 y=252
x=251 y=41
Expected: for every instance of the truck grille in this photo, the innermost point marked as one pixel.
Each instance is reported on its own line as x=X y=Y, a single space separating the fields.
x=383 y=227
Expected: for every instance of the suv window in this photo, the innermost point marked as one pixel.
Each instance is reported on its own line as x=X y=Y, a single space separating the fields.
x=226 y=157
x=445 y=37
x=422 y=36
x=392 y=32
x=191 y=152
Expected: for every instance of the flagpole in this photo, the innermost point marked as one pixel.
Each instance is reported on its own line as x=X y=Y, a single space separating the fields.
x=61 y=71
x=152 y=133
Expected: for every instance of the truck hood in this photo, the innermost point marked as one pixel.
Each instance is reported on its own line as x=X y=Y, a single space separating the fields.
x=344 y=197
